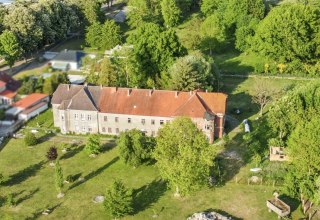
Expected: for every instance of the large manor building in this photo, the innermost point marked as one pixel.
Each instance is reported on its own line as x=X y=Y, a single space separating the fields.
x=111 y=110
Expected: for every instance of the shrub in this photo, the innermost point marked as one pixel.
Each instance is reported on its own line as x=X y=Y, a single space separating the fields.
x=52 y=154
x=30 y=139
x=93 y=144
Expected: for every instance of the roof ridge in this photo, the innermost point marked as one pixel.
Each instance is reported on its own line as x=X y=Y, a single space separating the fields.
x=83 y=89
x=189 y=100
x=204 y=103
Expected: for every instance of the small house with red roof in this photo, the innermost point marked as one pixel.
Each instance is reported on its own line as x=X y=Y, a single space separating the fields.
x=8 y=90
x=29 y=106
x=111 y=110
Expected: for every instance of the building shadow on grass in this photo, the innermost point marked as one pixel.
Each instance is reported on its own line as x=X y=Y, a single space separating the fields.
x=94 y=173
x=27 y=196
x=148 y=194
x=45 y=137
x=38 y=213
x=24 y=174
x=72 y=152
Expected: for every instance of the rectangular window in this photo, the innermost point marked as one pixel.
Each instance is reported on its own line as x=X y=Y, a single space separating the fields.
x=105 y=118
x=207 y=127
x=161 y=122
x=77 y=128
x=152 y=133
x=89 y=129
x=116 y=119
x=152 y=121
x=129 y=120
x=89 y=117
x=168 y=121
x=109 y=130
x=83 y=128
x=117 y=130
x=62 y=117
x=82 y=117
x=143 y=121
x=104 y=130
x=76 y=116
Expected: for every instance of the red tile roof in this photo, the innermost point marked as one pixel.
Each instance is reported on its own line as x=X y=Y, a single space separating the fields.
x=30 y=100
x=2 y=84
x=144 y=102
x=160 y=103
x=8 y=94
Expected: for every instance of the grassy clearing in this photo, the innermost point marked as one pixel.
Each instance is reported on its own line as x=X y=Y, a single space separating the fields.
x=240 y=91
x=72 y=44
x=44 y=120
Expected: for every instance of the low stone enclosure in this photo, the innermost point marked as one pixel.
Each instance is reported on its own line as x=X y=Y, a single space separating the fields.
x=278 y=154
x=208 y=216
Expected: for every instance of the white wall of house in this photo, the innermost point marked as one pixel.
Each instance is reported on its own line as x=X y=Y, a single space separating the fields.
x=32 y=114
x=71 y=65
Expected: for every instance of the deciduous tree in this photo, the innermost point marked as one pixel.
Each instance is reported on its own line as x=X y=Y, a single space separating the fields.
x=58 y=177
x=9 y=47
x=30 y=139
x=171 y=12
x=183 y=155
x=134 y=147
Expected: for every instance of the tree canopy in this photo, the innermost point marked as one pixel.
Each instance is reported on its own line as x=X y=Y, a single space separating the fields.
x=171 y=12
x=289 y=32
x=118 y=200
x=9 y=47
x=183 y=155
x=134 y=147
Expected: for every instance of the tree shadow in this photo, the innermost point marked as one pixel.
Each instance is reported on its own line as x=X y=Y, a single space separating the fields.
x=148 y=194
x=72 y=152
x=38 y=213
x=24 y=174
x=45 y=137
x=293 y=203
x=94 y=173
x=108 y=146
x=27 y=196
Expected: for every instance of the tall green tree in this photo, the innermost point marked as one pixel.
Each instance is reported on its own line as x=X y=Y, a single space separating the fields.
x=23 y=22
x=91 y=10
x=134 y=147
x=118 y=200
x=58 y=176
x=9 y=47
x=289 y=33
x=103 y=36
x=183 y=155
x=144 y=11
x=192 y=72
x=171 y=12
x=154 y=50
x=208 y=7
x=213 y=33
x=107 y=74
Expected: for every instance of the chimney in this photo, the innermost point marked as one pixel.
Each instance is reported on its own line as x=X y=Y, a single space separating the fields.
x=129 y=92
x=85 y=84
x=176 y=94
x=68 y=86
x=150 y=92
x=191 y=93
x=206 y=91
x=101 y=86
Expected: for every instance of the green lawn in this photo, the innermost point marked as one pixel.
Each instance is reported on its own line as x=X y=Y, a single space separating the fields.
x=72 y=44
x=31 y=179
